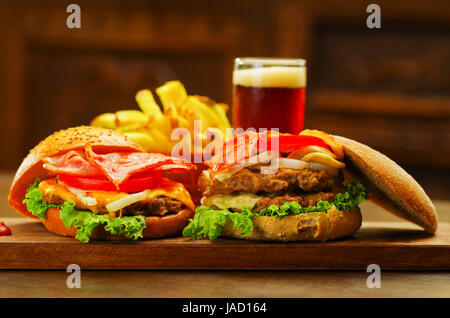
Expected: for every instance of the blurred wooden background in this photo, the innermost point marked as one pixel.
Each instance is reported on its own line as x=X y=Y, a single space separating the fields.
x=388 y=88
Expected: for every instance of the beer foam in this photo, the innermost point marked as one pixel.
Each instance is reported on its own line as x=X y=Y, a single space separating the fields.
x=274 y=76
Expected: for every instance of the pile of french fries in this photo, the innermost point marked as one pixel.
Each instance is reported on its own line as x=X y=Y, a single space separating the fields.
x=152 y=127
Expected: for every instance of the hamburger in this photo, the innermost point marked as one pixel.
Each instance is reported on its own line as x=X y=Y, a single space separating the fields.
x=307 y=187
x=94 y=183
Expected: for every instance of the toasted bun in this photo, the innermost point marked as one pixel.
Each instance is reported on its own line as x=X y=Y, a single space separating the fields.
x=389 y=185
x=101 y=139
x=314 y=226
x=156 y=226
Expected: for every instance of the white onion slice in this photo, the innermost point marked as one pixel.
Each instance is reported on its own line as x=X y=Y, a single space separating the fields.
x=299 y=164
x=81 y=195
x=126 y=201
x=292 y=163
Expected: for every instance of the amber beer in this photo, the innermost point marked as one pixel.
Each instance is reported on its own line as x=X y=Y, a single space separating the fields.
x=270 y=96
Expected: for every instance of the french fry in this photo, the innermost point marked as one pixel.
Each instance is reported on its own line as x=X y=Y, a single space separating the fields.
x=147 y=103
x=161 y=123
x=176 y=120
x=201 y=111
x=107 y=120
x=205 y=100
x=145 y=140
x=129 y=127
x=164 y=142
x=172 y=93
x=130 y=117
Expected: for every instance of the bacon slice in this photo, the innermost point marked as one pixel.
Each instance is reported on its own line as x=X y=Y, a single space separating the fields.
x=72 y=163
x=234 y=151
x=116 y=166
x=119 y=166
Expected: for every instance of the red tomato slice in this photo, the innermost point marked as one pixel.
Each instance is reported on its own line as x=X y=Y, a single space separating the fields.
x=288 y=143
x=131 y=185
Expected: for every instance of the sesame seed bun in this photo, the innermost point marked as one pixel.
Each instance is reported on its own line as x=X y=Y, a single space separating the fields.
x=101 y=139
x=390 y=186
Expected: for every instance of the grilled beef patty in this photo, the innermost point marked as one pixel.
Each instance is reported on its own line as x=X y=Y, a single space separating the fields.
x=250 y=181
x=158 y=206
x=304 y=200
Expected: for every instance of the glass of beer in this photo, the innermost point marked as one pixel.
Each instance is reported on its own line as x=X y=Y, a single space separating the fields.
x=269 y=93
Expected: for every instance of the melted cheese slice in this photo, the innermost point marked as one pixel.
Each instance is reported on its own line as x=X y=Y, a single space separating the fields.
x=166 y=188
x=234 y=201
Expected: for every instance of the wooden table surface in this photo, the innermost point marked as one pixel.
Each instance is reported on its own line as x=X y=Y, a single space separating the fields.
x=200 y=283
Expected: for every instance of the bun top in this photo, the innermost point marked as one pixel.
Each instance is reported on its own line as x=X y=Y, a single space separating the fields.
x=390 y=186
x=102 y=141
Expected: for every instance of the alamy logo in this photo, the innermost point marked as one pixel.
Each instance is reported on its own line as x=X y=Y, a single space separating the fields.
x=74 y=279
x=73 y=21
x=373 y=21
x=374 y=279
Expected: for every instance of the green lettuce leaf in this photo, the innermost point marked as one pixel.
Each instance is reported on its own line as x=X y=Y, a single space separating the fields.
x=35 y=204
x=354 y=194
x=208 y=222
x=84 y=221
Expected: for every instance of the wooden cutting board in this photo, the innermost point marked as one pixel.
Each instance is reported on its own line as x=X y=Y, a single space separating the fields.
x=393 y=246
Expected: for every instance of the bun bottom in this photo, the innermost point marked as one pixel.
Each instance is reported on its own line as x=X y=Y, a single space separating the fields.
x=156 y=226
x=314 y=226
